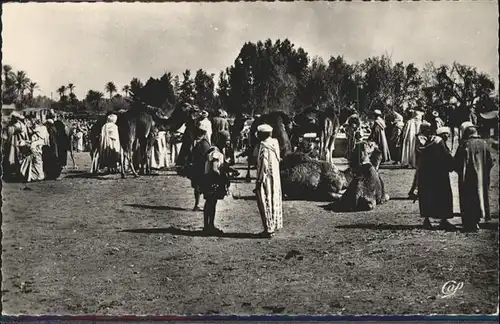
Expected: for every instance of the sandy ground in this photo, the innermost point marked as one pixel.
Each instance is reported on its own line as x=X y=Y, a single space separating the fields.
x=110 y=246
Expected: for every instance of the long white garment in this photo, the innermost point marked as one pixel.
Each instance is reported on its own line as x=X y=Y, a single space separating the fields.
x=159 y=159
x=108 y=154
x=43 y=133
x=174 y=145
x=269 y=197
x=79 y=141
x=32 y=165
x=208 y=125
x=409 y=144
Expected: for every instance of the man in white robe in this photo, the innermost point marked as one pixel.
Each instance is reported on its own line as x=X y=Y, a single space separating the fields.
x=409 y=140
x=109 y=151
x=268 y=184
x=206 y=124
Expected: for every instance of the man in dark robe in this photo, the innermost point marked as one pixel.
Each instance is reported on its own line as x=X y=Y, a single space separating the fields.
x=436 y=122
x=197 y=165
x=378 y=136
x=434 y=189
x=473 y=163
x=51 y=162
x=220 y=125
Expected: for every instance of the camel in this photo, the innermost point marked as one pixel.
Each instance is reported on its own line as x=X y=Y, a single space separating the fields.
x=135 y=129
x=188 y=115
x=366 y=188
x=324 y=123
x=305 y=178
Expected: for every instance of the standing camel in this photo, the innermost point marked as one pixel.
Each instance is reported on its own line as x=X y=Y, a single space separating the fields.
x=135 y=130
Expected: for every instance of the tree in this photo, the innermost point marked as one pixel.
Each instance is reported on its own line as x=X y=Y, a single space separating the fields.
x=71 y=87
x=456 y=88
x=177 y=86
x=136 y=87
x=126 y=90
x=222 y=98
x=32 y=86
x=21 y=84
x=159 y=92
x=110 y=88
x=204 y=87
x=94 y=99
x=8 y=85
x=62 y=93
x=186 y=89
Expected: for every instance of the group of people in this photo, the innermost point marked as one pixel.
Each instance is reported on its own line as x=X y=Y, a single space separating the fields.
x=35 y=151
x=472 y=162
x=79 y=133
x=210 y=172
x=422 y=144
x=418 y=143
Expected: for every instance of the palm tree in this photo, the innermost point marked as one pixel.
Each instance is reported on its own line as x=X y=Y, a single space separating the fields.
x=126 y=90
x=62 y=92
x=32 y=86
x=21 y=83
x=8 y=75
x=8 y=85
x=94 y=98
x=111 y=88
x=71 y=87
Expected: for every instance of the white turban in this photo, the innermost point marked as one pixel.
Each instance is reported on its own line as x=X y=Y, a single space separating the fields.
x=17 y=115
x=443 y=130
x=465 y=125
x=112 y=118
x=264 y=128
x=310 y=135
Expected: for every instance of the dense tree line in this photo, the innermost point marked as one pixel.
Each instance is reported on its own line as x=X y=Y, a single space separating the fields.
x=268 y=76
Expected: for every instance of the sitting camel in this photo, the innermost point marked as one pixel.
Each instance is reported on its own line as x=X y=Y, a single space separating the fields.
x=303 y=177
x=366 y=189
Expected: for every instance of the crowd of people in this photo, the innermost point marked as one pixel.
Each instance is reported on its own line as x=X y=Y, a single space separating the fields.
x=80 y=134
x=417 y=143
x=34 y=151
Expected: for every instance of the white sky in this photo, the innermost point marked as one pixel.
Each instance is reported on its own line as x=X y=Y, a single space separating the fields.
x=90 y=44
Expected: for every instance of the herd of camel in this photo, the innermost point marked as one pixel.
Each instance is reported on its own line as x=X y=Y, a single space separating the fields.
x=137 y=125
x=302 y=176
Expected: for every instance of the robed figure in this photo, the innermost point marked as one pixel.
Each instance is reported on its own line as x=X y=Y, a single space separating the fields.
x=268 y=183
x=378 y=136
x=50 y=153
x=434 y=189
x=473 y=163
x=409 y=140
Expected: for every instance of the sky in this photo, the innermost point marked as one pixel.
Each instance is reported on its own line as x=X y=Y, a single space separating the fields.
x=89 y=44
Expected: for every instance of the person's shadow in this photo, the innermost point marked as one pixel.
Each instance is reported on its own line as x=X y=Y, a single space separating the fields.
x=183 y=232
x=157 y=207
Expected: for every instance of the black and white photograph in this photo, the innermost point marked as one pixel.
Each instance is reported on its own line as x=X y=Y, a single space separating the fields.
x=250 y=158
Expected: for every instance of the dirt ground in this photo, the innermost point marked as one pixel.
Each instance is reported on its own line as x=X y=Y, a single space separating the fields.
x=104 y=245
